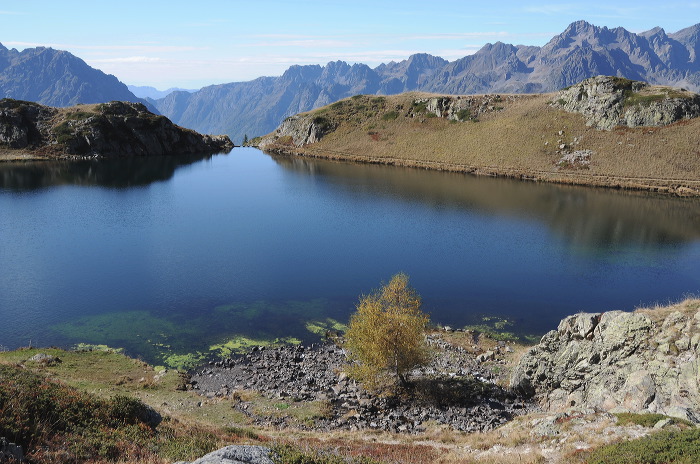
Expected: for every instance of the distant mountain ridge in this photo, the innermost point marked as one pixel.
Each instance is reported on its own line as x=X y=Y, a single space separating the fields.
x=57 y=78
x=581 y=51
x=145 y=91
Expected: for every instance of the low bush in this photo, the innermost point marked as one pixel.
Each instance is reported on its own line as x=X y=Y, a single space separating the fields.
x=390 y=116
x=678 y=447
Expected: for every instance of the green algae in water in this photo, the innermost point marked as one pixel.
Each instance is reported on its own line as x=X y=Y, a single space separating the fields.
x=242 y=344
x=495 y=327
x=321 y=328
x=180 y=340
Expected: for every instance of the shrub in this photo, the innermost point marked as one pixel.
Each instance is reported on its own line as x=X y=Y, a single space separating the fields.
x=464 y=114
x=390 y=116
x=386 y=334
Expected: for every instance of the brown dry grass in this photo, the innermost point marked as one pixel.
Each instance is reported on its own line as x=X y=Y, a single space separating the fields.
x=659 y=312
x=520 y=140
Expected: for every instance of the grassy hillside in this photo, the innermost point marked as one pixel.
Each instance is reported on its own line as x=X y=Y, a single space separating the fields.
x=522 y=136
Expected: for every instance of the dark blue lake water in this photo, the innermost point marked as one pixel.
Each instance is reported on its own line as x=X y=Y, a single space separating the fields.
x=176 y=259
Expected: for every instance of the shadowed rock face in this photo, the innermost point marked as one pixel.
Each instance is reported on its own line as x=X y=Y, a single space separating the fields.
x=618 y=361
x=109 y=129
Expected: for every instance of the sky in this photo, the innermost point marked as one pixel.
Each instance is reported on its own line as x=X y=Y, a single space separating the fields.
x=191 y=44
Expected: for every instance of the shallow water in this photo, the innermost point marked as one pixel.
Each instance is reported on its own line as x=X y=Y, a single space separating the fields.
x=173 y=256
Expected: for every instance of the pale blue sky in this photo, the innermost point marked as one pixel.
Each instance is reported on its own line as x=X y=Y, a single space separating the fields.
x=195 y=43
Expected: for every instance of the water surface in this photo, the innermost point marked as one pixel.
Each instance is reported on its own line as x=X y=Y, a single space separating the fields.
x=171 y=256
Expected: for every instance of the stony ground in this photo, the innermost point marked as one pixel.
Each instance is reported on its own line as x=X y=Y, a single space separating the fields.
x=457 y=388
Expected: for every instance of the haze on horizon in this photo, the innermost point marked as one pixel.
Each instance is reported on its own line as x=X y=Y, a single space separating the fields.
x=193 y=44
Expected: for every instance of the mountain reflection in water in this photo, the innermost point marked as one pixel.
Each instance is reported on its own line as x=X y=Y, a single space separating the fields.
x=583 y=216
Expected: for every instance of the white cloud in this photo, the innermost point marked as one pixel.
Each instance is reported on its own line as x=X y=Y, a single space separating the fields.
x=128 y=59
x=137 y=47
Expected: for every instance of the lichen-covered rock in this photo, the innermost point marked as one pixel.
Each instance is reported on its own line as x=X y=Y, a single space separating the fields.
x=617 y=361
x=608 y=102
x=236 y=454
x=299 y=130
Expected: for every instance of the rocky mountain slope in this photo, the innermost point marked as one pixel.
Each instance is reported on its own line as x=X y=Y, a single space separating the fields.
x=109 y=129
x=604 y=131
x=56 y=78
x=581 y=51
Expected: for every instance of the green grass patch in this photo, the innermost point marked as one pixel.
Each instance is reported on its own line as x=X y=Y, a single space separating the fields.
x=679 y=447
x=464 y=114
x=390 y=116
x=78 y=115
x=419 y=107
x=646 y=420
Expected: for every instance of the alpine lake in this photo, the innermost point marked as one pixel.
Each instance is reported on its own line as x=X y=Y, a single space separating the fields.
x=178 y=260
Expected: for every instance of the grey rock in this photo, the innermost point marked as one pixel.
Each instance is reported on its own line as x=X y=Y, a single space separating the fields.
x=236 y=454
x=663 y=423
x=43 y=358
x=613 y=361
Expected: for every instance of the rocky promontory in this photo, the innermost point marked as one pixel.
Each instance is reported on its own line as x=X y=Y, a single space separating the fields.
x=31 y=130
x=642 y=362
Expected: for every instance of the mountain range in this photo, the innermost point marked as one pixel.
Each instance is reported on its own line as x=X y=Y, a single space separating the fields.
x=57 y=78
x=257 y=107
x=581 y=51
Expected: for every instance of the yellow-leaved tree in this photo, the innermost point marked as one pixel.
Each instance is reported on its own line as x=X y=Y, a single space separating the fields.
x=386 y=336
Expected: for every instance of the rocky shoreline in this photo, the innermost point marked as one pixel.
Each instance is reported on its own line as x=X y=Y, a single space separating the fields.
x=456 y=389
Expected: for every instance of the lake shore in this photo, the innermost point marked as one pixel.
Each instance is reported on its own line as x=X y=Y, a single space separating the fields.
x=278 y=415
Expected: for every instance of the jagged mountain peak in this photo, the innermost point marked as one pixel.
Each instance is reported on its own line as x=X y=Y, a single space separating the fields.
x=581 y=27
x=657 y=31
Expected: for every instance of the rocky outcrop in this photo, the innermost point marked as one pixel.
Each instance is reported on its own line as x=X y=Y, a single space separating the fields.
x=460 y=108
x=109 y=129
x=299 y=130
x=608 y=102
x=236 y=454
x=618 y=361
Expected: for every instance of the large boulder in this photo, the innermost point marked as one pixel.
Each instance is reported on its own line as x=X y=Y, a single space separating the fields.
x=617 y=361
x=236 y=454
